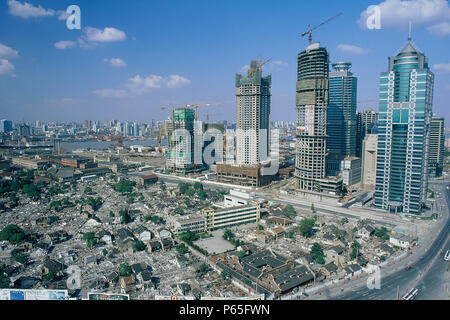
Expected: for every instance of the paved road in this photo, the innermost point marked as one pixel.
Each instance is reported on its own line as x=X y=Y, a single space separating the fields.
x=429 y=274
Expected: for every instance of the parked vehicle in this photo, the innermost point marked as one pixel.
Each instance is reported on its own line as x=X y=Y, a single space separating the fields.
x=411 y=295
x=447 y=256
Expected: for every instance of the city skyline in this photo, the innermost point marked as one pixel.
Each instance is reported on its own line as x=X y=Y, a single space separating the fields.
x=117 y=68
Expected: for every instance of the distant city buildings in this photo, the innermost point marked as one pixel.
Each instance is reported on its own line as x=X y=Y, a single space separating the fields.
x=437 y=147
x=5 y=126
x=406 y=96
x=24 y=131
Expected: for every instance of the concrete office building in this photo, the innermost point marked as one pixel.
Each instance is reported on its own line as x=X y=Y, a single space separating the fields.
x=406 y=98
x=252 y=131
x=351 y=172
x=437 y=147
x=252 y=116
x=369 y=162
x=231 y=217
x=312 y=104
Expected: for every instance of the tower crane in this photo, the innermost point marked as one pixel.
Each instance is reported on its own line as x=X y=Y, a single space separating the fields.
x=196 y=106
x=310 y=30
x=262 y=63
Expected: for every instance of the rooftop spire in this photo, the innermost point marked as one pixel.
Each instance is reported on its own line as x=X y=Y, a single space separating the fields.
x=410 y=31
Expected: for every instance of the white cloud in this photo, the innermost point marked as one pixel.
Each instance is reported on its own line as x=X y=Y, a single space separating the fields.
x=26 y=10
x=443 y=67
x=7 y=52
x=67 y=101
x=279 y=63
x=64 y=44
x=105 y=35
x=441 y=29
x=110 y=93
x=398 y=13
x=62 y=15
x=140 y=84
x=6 y=67
x=116 y=62
x=351 y=49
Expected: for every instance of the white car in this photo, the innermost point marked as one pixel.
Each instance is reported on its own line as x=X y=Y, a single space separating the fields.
x=447 y=256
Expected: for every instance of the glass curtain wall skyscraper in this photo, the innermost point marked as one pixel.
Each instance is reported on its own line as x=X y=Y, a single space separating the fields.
x=406 y=97
x=341 y=116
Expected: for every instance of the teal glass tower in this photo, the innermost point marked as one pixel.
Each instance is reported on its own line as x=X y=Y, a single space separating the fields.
x=405 y=112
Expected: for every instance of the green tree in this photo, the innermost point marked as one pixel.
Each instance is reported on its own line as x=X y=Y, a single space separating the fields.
x=202 y=195
x=90 y=239
x=306 y=227
x=289 y=211
x=344 y=221
x=139 y=246
x=4 y=281
x=88 y=190
x=31 y=191
x=382 y=233
x=228 y=235
x=202 y=269
x=18 y=256
x=355 y=250
x=94 y=203
x=49 y=277
x=190 y=192
x=111 y=214
x=183 y=187
x=224 y=275
x=104 y=252
x=125 y=216
x=198 y=186
x=189 y=237
x=178 y=210
x=124 y=269
x=317 y=253
x=12 y=233
x=124 y=186
x=182 y=249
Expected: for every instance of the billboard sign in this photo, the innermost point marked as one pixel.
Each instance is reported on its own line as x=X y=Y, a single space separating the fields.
x=20 y=294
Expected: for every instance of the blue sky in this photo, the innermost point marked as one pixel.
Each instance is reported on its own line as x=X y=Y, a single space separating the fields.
x=132 y=57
